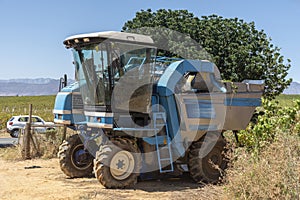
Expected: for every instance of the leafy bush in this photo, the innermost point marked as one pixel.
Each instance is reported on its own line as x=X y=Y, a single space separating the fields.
x=268 y=122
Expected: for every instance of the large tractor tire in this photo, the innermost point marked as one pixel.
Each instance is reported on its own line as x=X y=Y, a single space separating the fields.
x=74 y=160
x=117 y=164
x=207 y=159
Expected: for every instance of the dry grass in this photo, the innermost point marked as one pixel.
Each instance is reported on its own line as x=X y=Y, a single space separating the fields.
x=11 y=153
x=45 y=146
x=274 y=174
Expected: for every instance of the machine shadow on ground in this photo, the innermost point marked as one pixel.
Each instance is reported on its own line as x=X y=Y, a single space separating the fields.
x=182 y=182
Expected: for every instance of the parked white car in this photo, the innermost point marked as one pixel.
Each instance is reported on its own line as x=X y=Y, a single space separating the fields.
x=15 y=123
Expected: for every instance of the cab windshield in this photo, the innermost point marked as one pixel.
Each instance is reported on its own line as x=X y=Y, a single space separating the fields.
x=100 y=66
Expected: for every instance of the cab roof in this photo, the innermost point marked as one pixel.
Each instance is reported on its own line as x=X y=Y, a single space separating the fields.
x=111 y=35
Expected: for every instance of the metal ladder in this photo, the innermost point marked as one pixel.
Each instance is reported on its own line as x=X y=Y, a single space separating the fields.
x=164 y=151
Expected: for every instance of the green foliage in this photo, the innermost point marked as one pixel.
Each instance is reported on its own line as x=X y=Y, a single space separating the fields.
x=238 y=49
x=42 y=106
x=270 y=122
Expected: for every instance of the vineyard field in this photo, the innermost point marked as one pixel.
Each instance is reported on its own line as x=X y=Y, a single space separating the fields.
x=19 y=105
x=287 y=100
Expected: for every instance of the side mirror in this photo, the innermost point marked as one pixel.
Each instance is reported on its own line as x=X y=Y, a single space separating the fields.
x=63 y=81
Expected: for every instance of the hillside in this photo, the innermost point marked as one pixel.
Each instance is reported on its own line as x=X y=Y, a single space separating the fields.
x=29 y=87
x=294 y=88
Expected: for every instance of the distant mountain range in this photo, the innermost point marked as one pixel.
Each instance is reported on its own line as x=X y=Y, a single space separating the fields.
x=48 y=86
x=29 y=87
x=294 y=88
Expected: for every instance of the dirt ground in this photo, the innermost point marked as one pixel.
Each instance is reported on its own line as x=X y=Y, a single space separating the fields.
x=43 y=179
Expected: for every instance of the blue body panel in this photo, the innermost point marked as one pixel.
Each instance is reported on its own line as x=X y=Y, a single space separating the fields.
x=252 y=102
x=63 y=101
x=64 y=110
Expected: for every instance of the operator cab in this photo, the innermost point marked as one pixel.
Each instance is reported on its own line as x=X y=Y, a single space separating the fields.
x=102 y=58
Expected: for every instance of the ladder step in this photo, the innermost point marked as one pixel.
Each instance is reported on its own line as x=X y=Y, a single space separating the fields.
x=164 y=159
x=164 y=171
x=160 y=117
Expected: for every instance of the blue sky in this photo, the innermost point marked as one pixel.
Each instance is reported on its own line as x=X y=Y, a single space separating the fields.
x=32 y=31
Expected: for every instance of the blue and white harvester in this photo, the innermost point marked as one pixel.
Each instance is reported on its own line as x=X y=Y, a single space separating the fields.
x=138 y=115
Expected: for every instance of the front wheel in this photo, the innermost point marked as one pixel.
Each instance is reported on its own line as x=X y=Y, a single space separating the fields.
x=117 y=164
x=206 y=159
x=74 y=160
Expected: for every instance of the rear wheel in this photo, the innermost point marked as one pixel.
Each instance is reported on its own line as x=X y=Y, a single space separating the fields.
x=74 y=160
x=207 y=160
x=117 y=165
x=15 y=133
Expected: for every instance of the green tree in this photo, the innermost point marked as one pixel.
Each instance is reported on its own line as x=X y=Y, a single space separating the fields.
x=238 y=49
